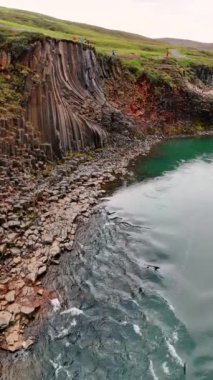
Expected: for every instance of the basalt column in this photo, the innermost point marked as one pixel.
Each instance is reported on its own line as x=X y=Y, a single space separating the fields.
x=63 y=77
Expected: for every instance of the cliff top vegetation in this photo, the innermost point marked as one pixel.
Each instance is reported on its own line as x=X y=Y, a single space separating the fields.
x=18 y=27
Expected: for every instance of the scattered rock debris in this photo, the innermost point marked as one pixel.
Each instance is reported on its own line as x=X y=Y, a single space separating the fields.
x=38 y=222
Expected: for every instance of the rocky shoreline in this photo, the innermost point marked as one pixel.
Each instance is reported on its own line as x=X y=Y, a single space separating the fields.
x=38 y=221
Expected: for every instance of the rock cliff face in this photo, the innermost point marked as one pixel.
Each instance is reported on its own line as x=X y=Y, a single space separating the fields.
x=66 y=106
x=63 y=106
x=205 y=74
x=161 y=108
x=66 y=78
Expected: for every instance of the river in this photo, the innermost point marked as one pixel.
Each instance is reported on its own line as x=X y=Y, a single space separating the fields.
x=122 y=320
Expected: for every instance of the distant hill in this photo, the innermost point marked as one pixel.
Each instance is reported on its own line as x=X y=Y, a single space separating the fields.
x=187 y=43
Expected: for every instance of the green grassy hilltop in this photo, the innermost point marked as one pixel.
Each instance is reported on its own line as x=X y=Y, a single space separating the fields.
x=18 y=27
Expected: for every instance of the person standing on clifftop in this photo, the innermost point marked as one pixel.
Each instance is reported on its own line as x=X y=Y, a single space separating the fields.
x=113 y=55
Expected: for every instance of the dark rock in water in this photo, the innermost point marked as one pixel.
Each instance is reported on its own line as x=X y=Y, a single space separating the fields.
x=153 y=266
x=184 y=369
x=141 y=291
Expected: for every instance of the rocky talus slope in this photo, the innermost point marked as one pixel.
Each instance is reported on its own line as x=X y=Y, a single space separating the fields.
x=39 y=222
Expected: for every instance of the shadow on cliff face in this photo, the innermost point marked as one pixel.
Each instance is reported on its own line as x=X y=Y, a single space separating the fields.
x=67 y=87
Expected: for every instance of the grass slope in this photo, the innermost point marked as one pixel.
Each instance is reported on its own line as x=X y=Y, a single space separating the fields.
x=18 y=26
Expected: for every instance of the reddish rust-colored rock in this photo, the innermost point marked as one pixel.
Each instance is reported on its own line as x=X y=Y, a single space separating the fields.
x=5 y=59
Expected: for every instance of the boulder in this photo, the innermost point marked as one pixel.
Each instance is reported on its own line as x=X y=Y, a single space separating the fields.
x=14 y=341
x=27 y=291
x=12 y=338
x=19 y=284
x=10 y=296
x=27 y=343
x=14 y=308
x=27 y=310
x=68 y=246
x=55 y=249
x=11 y=237
x=3 y=248
x=32 y=276
x=5 y=318
x=42 y=270
x=15 y=251
x=12 y=224
x=16 y=260
x=40 y=292
x=48 y=239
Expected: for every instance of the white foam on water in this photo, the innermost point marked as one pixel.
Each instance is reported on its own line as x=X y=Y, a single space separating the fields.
x=55 y=365
x=73 y=311
x=137 y=329
x=165 y=368
x=171 y=307
x=124 y=323
x=61 y=369
x=175 y=336
x=136 y=303
x=74 y=323
x=174 y=353
x=55 y=304
x=62 y=334
x=58 y=367
x=151 y=368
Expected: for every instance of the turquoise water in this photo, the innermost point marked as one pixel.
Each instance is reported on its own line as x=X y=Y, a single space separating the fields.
x=123 y=320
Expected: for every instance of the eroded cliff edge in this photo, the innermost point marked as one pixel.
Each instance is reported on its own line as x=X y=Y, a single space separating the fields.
x=59 y=96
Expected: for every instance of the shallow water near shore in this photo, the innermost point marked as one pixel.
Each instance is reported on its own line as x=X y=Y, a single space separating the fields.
x=121 y=319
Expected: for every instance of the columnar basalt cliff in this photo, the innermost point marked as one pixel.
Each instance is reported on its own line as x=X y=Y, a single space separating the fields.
x=61 y=78
x=63 y=98
x=63 y=104
x=66 y=76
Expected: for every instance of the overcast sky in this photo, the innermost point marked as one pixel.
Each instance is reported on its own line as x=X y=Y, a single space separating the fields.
x=189 y=19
